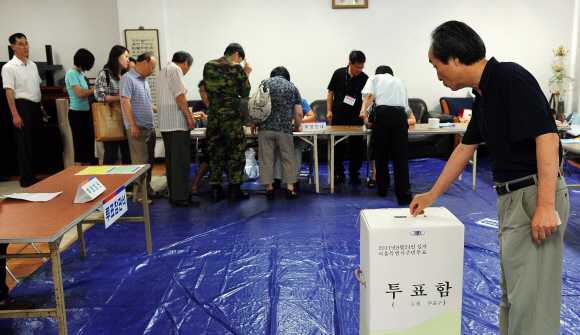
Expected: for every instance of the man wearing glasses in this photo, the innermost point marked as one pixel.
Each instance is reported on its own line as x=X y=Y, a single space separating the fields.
x=138 y=117
x=22 y=84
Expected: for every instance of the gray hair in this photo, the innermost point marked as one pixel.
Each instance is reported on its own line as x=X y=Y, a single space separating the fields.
x=182 y=56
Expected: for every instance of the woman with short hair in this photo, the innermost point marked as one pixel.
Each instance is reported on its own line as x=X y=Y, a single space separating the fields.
x=80 y=116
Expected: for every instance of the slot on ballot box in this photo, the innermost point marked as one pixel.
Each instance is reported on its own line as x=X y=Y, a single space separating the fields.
x=411 y=272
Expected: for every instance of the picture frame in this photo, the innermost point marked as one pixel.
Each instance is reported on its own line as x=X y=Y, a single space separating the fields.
x=336 y=4
x=138 y=41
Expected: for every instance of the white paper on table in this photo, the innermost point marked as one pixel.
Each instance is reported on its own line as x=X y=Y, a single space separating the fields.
x=36 y=197
x=196 y=132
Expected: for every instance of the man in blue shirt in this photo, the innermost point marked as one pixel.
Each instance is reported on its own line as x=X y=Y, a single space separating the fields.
x=138 y=116
x=511 y=114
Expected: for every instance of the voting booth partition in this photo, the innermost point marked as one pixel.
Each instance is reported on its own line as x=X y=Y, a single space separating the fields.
x=411 y=272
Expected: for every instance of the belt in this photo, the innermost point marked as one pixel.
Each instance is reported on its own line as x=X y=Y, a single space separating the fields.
x=511 y=187
x=385 y=108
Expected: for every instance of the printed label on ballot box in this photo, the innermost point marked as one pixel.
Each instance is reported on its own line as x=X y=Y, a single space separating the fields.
x=114 y=206
x=88 y=190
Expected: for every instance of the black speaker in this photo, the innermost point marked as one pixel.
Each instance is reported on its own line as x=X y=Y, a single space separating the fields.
x=49 y=60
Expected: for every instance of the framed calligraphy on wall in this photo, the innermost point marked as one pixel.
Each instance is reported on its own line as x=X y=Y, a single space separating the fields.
x=350 y=4
x=139 y=41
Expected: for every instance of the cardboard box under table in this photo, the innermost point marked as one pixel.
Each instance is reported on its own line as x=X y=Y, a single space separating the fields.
x=411 y=272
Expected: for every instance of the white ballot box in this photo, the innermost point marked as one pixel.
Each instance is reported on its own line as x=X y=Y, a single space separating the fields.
x=411 y=272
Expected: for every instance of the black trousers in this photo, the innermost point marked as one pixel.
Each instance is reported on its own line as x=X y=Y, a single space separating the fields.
x=390 y=131
x=83 y=132
x=356 y=146
x=177 y=159
x=28 y=138
x=112 y=150
x=3 y=286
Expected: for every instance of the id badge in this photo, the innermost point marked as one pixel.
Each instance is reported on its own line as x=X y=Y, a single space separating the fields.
x=349 y=100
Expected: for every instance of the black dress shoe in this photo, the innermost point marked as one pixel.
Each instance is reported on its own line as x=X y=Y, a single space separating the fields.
x=270 y=195
x=355 y=180
x=339 y=179
x=217 y=193
x=28 y=183
x=189 y=203
x=14 y=304
x=291 y=195
x=236 y=194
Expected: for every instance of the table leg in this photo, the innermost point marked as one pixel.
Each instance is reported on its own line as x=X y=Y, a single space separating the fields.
x=474 y=169
x=81 y=238
x=331 y=164
x=58 y=288
x=368 y=157
x=146 y=213
x=315 y=148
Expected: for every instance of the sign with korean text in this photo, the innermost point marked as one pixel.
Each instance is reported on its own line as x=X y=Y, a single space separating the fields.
x=88 y=190
x=114 y=206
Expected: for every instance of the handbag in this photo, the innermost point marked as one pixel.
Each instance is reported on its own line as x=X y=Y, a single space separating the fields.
x=260 y=104
x=108 y=120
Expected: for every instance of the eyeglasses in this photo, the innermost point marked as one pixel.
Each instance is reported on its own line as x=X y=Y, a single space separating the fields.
x=21 y=44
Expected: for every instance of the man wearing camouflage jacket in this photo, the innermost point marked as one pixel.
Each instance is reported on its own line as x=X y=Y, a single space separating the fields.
x=225 y=82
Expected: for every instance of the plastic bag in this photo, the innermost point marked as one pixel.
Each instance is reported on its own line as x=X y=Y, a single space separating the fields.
x=251 y=171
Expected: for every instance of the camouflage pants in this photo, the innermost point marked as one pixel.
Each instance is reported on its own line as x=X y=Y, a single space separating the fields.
x=225 y=135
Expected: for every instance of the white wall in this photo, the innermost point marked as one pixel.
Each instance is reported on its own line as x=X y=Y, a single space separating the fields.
x=312 y=40
x=67 y=25
x=308 y=37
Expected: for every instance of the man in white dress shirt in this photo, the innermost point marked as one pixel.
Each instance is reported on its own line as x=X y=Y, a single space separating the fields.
x=390 y=130
x=22 y=84
x=175 y=123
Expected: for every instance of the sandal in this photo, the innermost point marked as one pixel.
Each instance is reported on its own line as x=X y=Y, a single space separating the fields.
x=155 y=195
x=372 y=183
x=140 y=201
x=291 y=194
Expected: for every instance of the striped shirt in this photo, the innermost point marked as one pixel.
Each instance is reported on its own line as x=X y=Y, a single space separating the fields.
x=168 y=86
x=136 y=88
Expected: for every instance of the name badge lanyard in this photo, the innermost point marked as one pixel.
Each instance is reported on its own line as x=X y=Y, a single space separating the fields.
x=346 y=83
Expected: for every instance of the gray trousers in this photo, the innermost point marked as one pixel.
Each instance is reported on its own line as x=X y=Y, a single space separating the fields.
x=142 y=152
x=177 y=160
x=531 y=279
x=270 y=142
x=299 y=145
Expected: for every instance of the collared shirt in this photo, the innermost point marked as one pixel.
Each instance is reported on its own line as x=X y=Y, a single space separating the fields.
x=136 y=88
x=168 y=86
x=225 y=82
x=284 y=96
x=509 y=115
x=343 y=84
x=23 y=79
x=104 y=87
x=388 y=91
x=73 y=78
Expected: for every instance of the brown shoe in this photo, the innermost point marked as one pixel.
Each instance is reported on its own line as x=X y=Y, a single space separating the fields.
x=13 y=304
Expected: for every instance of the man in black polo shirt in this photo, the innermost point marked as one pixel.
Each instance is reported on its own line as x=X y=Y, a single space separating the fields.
x=343 y=103
x=512 y=116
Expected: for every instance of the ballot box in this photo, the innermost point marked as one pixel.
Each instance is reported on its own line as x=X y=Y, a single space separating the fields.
x=411 y=272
